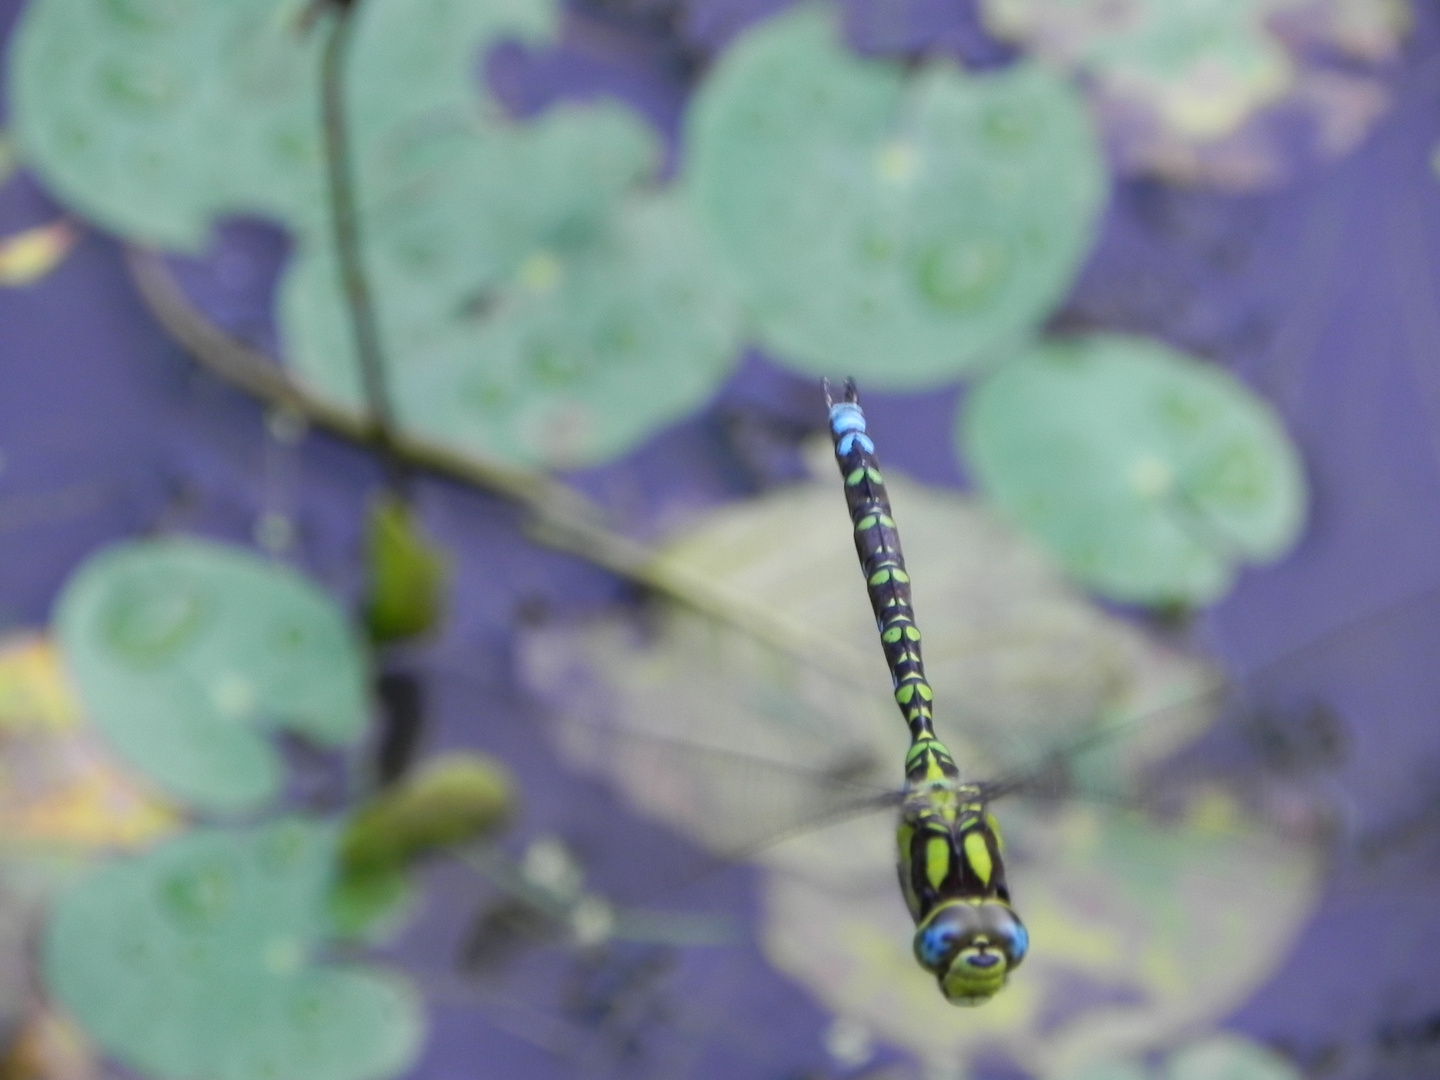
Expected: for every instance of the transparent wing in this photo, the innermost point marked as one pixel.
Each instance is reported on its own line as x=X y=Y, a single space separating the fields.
x=1164 y=853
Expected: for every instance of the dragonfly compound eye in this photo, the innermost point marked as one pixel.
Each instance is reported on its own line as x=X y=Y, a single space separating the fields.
x=971 y=946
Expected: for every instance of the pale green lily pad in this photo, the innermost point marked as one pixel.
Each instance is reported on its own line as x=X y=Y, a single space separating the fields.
x=153 y=117
x=585 y=350
x=198 y=959
x=888 y=227
x=187 y=653
x=1153 y=477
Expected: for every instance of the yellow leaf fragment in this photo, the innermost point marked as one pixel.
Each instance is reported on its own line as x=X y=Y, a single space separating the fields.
x=26 y=257
x=59 y=785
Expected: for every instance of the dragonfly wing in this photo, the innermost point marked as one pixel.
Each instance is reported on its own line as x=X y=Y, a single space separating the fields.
x=1194 y=852
x=1018 y=662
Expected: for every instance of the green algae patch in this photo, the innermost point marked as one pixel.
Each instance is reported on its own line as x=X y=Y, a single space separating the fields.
x=894 y=227
x=199 y=959
x=1151 y=476
x=188 y=654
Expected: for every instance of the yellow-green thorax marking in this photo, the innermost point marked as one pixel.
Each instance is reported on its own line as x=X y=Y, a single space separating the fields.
x=949 y=847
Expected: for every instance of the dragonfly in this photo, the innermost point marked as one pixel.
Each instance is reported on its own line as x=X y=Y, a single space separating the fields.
x=950 y=853
x=729 y=741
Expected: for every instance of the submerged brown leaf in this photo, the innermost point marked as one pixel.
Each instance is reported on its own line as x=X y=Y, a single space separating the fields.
x=1142 y=926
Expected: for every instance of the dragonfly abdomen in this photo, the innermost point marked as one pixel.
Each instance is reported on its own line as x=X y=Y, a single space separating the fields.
x=878 y=545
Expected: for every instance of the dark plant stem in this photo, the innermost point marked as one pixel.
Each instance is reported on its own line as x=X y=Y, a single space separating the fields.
x=345 y=224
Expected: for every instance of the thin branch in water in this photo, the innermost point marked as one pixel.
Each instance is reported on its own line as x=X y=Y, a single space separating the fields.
x=349 y=254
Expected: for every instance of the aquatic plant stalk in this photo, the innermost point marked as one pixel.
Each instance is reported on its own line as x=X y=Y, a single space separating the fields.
x=349 y=254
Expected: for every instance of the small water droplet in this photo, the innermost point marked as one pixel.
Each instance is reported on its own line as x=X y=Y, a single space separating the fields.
x=541 y=273
x=283 y=848
x=592 y=921
x=291 y=636
x=489 y=397
x=897 y=162
x=309 y=1012
x=274 y=532
x=198 y=897
x=961 y=275
x=148 y=87
x=75 y=136
x=877 y=247
x=849 y=1043
x=147 y=621
x=233 y=695
x=286 y=426
x=618 y=340
x=1151 y=477
x=555 y=366
x=549 y=865
x=1012 y=124
x=1187 y=413
x=284 y=956
x=148 y=14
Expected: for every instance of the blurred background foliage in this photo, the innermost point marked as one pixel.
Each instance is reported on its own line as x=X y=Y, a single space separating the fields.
x=246 y=831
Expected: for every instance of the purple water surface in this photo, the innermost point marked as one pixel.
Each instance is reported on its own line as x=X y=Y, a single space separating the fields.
x=1323 y=296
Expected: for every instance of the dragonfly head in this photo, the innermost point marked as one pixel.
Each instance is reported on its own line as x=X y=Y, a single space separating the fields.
x=971 y=946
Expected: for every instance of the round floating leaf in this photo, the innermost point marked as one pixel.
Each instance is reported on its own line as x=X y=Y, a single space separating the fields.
x=1150 y=475
x=153 y=116
x=886 y=227
x=582 y=351
x=187 y=653
x=196 y=960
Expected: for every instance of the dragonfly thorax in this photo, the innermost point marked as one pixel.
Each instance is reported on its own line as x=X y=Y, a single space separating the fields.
x=953 y=877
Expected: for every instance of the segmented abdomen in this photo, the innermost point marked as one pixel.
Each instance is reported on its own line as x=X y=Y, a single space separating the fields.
x=878 y=545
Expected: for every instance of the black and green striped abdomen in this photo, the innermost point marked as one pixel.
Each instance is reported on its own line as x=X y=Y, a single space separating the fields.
x=878 y=544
